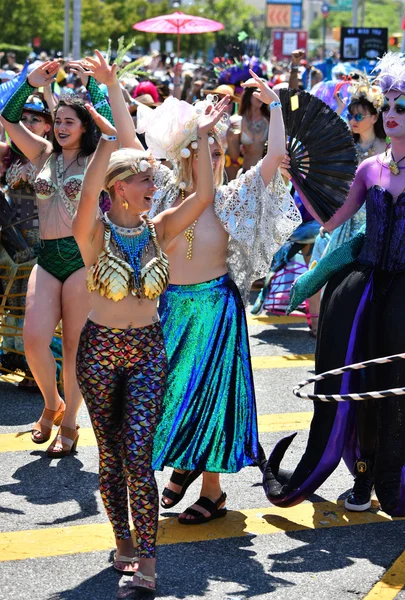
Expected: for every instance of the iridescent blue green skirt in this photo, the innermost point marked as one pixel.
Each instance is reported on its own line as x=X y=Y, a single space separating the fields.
x=208 y=419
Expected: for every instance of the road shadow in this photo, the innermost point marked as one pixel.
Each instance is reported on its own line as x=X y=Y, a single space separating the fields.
x=336 y=547
x=190 y=570
x=41 y=485
x=24 y=409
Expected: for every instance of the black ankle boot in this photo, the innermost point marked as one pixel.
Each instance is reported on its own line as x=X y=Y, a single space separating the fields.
x=359 y=498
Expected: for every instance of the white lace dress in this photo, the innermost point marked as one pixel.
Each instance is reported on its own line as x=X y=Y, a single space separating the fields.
x=258 y=219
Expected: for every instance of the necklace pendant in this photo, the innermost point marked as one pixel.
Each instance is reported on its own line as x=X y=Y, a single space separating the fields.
x=393 y=167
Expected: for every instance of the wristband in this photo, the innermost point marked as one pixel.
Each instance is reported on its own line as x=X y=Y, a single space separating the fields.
x=274 y=104
x=109 y=138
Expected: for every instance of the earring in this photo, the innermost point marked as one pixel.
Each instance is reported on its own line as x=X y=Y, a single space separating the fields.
x=125 y=204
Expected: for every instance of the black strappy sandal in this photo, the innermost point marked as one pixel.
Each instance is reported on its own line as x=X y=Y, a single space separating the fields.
x=207 y=504
x=184 y=480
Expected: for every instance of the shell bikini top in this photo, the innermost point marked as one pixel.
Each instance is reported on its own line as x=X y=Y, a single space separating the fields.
x=68 y=190
x=113 y=277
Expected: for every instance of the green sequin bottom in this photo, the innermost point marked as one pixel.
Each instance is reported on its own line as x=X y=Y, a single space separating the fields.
x=208 y=419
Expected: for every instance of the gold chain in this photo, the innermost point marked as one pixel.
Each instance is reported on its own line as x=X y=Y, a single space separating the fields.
x=189 y=233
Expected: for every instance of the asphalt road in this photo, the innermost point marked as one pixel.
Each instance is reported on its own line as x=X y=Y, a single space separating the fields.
x=55 y=541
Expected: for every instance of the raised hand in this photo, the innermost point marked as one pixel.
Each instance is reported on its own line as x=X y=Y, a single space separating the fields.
x=212 y=115
x=263 y=93
x=82 y=69
x=44 y=74
x=98 y=67
x=102 y=123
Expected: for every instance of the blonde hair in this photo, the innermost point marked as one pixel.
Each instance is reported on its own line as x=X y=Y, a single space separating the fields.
x=120 y=161
x=183 y=171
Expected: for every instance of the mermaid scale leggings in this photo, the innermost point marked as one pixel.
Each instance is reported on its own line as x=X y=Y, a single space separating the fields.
x=122 y=374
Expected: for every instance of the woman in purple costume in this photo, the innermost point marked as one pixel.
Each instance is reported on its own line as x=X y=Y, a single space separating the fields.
x=362 y=318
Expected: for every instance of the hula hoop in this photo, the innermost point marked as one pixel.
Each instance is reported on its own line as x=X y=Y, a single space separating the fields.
x=346 y=397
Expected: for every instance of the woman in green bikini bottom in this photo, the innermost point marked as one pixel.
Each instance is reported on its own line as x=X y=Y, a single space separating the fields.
x=56 y=288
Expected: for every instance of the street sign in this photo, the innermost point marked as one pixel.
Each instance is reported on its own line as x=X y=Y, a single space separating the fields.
x=285 y=42
x=342 y=6
x=325 y=9
x=278 y=15
x=284 y=15
x=284 y=2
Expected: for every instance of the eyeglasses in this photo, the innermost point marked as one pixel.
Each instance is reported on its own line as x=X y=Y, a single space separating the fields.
x=357 y=117
x=32 y=120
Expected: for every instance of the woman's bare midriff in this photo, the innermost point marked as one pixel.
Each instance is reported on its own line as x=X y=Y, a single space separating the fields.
x=210 y=246
x=128 y=313
x=252 y=153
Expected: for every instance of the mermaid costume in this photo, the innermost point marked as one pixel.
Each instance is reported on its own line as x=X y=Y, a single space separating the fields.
x=371 y=281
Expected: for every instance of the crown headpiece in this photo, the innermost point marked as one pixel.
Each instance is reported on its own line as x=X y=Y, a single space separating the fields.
x=371 y=92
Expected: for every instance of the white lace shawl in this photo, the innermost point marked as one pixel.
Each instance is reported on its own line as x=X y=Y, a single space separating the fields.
x=259 y=220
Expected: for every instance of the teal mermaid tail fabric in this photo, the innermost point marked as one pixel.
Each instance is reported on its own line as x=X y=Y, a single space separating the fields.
x=312 y=281
x=208 y=419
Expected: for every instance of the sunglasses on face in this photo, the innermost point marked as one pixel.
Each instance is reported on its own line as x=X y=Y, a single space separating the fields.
x=357 y=117
x=31 y=120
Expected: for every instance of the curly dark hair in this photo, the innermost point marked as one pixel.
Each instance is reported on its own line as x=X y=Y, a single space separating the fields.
x=370 y=108
x=90 y=136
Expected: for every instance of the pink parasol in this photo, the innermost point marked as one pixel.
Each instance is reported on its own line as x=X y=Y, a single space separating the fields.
x=178 y=23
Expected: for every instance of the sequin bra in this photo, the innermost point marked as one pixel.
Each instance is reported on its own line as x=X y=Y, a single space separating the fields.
x=113 y=277
x=68 y=189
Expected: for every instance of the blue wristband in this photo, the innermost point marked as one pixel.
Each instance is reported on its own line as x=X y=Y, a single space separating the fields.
x=274 y=104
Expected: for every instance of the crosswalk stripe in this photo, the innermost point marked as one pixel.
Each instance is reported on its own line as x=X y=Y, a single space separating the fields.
x=17 y=442
x=76 y=539
x=391 y=583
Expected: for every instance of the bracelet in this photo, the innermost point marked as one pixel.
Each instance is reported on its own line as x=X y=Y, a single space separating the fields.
x=176 y=84
x=274 y=104
x=109 y=138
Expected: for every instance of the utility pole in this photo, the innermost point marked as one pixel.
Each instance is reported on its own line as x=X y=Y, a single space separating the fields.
x=66 y=33
x=77 y=15
x=355 y=10
x=362 y=13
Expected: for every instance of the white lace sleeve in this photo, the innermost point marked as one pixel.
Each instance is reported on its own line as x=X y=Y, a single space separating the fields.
x=166 y=192
x=259 y=221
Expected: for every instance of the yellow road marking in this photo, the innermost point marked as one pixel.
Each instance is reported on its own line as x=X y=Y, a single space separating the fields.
x=283 y=362
x=392 y=582
x=58 y=541
x=274 y=320
x=14 y=442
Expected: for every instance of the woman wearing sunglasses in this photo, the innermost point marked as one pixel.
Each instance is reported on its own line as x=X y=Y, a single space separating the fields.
x=365 y=121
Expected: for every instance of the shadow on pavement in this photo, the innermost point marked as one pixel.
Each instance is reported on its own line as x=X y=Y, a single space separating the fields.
x=42 y=485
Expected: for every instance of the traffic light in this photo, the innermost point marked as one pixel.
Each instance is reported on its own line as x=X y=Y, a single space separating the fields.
x=395 y=40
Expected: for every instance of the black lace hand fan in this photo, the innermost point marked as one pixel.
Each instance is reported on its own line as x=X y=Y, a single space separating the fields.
x=322 y=151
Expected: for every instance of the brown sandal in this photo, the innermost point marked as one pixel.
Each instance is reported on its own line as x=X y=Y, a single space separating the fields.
x=67 y=444
x=54 y=417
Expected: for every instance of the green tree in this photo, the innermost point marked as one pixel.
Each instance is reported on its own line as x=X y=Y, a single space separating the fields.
x=23 y=20
x=378 y=13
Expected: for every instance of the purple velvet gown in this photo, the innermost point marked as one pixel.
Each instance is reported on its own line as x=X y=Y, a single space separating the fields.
x=361 y=317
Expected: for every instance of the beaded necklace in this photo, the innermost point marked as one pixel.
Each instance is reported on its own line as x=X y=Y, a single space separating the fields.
x=365 y=152
x=132 y=245
x=189 y=232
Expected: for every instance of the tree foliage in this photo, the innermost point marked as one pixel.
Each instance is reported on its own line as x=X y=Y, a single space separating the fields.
x=378 y=13
x=23 y=20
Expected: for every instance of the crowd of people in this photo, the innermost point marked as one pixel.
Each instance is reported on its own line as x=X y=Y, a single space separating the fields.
x=142 y=208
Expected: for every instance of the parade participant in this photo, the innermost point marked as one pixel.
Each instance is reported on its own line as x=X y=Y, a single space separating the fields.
x=249 y=131
x=208 y=421
x=121 y=361
x=370 y=433
x=19 y=176
x=365 y=121
x=56 y=288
